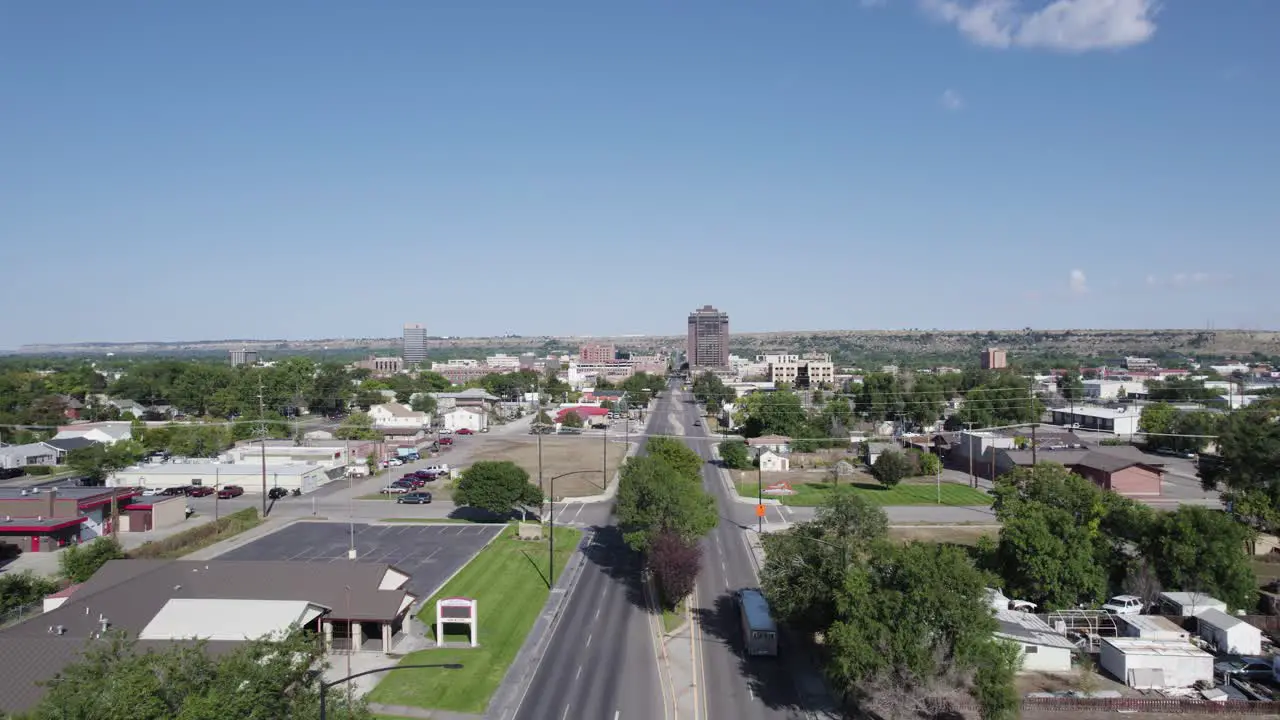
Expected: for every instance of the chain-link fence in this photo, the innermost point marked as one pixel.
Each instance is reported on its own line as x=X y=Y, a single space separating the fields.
x=16 y=615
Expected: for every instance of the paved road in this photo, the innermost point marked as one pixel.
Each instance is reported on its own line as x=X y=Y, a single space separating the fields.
x=602 y=661
x=733 y=686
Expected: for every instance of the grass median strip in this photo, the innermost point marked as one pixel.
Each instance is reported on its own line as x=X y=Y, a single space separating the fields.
x=905 y=493
x=508 y=579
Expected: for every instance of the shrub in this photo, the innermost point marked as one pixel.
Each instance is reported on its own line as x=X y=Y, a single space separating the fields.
x=891 y=467
x=79 y=562
x=674 y=564
x=734 y=454
x=38 y=470
x=189 y=541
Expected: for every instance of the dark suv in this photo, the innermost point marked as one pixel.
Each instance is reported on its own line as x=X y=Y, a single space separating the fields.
x=415 y=498
x=276 y=493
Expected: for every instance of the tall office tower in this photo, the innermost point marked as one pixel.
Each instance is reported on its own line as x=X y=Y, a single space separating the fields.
x=708 y=338
x=415 y=344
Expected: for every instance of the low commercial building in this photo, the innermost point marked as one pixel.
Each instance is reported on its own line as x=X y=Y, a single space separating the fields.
x=306 y=478
x=19 y=456
x=1122 y=421
x=808 y=371
x=779 y=444
x=398 y=416
x=40 y=520
x=353 y=606
x=249 y=453
x=1114 y=389
x=110 y=432
x=466 y=418
x=770 y=461
x=381 y=366
x=153 y=513
x=1123 y=475
x=1042 y=649
x=1155 y=664
x=1151 y=627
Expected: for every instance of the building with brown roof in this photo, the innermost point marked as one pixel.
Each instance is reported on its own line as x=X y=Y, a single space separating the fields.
x=350 y=605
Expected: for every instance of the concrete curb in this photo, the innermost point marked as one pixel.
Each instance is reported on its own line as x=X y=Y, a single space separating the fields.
x=510 y=694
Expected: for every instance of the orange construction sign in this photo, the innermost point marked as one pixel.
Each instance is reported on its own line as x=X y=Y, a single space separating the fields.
x=760 y=511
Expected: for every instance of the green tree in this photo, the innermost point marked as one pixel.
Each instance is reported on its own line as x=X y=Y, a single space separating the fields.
x=654 y=498
x=367 y=397
x=1157 y=420
x=994 y=680
x=423 y=402
x=676 y=454
x=908 y=618
x=776 y=413
x=78 y=563
x=1247 y=468
x=260 y=679
x=891 y=468
x=97 y=462
x=19 y=589
x=571 y=420
x=734 y=454
x=929 y=464
x=356 y=426
x=806 y=564
x=1204 y=550
x=543 y=419
x=433 y=382
x=711 y=391
x=497 y=486
x=1071 y=387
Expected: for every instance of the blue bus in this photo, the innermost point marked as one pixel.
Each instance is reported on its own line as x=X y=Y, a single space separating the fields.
x=759 y=632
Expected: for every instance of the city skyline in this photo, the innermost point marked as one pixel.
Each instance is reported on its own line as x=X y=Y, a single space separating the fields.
x=865 y=164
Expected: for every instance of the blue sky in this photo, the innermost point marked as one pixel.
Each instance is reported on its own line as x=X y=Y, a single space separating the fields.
x=318 y=169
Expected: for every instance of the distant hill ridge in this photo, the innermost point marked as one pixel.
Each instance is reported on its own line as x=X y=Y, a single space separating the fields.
x=1074 y=342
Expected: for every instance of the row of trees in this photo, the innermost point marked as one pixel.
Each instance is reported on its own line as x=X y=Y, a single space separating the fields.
x=902 y=624
x=1064 y=542
x=1247 y=465
x=1174 y=430
x=893 y=466
x=663 y=511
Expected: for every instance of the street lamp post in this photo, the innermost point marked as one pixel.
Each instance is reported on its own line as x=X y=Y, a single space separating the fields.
x=324 y=686
x=551 y=526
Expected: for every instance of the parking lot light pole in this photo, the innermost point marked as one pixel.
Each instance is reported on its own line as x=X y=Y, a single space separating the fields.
x=325 y=686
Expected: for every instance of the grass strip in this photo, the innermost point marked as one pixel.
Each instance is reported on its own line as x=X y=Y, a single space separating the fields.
x=810 y=494
x=197 y=538
x=508 y=578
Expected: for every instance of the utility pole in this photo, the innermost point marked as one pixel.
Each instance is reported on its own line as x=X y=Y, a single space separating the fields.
x=262 y=435
x=973 y=482
x=1033 y=445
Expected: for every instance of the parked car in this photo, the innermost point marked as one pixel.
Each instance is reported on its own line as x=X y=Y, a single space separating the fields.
x=445 y=441
x=230 y=491
x=171 y=491
x=201 y=491
x=276 y=493
x=446 y=431
x=1123 y=605
x=395 y=462
x=697 y=423
x=152 y=492
x=415 y=498
x=465 y=431
x=394 y=489
x=1248 y=668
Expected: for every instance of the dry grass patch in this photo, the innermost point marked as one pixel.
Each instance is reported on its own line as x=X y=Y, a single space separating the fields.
x=955 y=534
x=561 y=454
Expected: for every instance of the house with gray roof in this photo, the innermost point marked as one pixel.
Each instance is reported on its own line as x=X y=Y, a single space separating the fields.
x=161 y=602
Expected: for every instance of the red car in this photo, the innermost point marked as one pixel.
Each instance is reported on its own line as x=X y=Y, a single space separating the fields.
x=465 y=431
x=445 y=441
x=230 y=491
x=201 y=491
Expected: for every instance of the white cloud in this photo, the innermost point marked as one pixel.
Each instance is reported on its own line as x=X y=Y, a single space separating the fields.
x=1079 y=284
x=1186 y=280
x=951 y=100
x=1064 y=25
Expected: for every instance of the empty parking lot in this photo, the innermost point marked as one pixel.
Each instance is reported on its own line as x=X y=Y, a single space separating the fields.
x=428 y=553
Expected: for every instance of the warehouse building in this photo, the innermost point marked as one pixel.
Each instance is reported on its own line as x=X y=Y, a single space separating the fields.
x=306 y=478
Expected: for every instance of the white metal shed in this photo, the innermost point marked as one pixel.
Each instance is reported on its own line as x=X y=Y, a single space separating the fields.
x=1189 y=604
x=1151 y=627
x=1042 y=649
x=1152 y=664
x=1229 y=634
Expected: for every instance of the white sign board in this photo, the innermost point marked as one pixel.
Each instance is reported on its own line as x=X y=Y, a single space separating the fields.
x=457 y=610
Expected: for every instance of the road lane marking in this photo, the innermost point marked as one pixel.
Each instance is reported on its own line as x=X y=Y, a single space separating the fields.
x=589 y=636
x=597 y=617
x=566 y=713
x=579 y=673
x=617 y=714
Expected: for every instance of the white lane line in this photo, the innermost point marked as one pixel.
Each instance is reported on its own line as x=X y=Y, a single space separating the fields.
x=617 y=714
x=724 y=569
x=579 y=674
x=566 y=713
x=589 y=636
x=597 y=617
x=602 y=592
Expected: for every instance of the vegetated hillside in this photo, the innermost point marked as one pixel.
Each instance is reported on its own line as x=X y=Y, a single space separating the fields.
x=846 y=345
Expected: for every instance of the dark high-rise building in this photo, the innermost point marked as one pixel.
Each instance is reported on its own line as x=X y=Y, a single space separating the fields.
x=415 y=344
x=708 y=338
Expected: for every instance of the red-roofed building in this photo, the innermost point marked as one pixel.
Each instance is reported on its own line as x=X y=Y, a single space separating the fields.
x=41 y=520
x=586 y=412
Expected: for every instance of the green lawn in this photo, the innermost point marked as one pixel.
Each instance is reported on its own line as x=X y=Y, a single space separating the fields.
x=508 y=578
x=671 y=619
x=911 y=492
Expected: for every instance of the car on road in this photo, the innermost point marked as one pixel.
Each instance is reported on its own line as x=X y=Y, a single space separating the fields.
x=276 y=493
x=445 y=441
x=465 y=431
x=201 y=491
x=1123 y=605
x=230 y=491
x=446 y=431
x=415 y=498
x=394 y=489
x=697 y=423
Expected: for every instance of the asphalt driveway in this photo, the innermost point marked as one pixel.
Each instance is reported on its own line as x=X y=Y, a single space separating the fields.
x=430 y=554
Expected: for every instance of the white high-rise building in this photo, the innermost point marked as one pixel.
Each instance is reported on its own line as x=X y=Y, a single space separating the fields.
x=415 y=344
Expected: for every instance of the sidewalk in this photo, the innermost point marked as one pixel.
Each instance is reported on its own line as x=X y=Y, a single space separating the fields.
x=679 y=673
